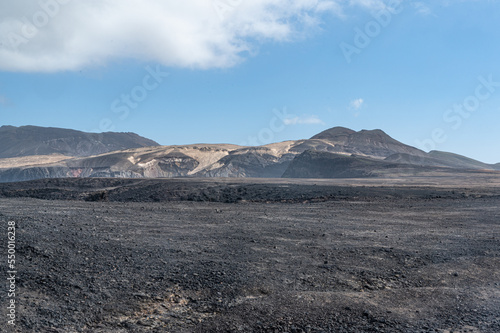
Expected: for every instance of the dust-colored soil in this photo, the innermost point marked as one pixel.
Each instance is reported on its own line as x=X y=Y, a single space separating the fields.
x=284 y=257
x=31 y=161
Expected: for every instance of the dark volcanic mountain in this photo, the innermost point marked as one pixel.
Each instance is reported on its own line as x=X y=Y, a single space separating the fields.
x=335 y=153
x=34 y=140
x=374 y=143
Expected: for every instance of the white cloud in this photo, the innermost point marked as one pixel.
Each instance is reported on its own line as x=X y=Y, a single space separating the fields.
x=357 y=103
x=304 y=120
x=59 y=35
x=70 y=35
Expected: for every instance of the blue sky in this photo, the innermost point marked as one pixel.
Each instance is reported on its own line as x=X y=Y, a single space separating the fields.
x=253 y=73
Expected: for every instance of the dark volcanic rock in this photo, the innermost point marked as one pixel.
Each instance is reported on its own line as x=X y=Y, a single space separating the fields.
x=222 y=190
x=369 y=259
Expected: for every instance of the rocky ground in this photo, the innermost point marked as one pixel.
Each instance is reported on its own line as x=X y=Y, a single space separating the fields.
x=178 y=256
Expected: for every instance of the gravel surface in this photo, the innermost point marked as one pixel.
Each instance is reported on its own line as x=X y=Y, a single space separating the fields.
x=379 y=260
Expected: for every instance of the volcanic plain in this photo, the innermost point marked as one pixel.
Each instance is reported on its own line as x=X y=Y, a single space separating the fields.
x=254 y=255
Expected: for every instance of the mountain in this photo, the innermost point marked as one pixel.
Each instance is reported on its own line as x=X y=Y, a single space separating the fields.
x=34 y=140
x=373 y=143
x=336 y=152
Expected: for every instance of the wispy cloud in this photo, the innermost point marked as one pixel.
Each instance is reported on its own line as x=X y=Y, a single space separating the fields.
x=421 y=8
x=369 y=4
x=357 y=104
x=304 y=120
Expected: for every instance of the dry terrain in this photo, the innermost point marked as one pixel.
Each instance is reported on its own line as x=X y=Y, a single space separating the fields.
x=219 y=255
x=31 y=161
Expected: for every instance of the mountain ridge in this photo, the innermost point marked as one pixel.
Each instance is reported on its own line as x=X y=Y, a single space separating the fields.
x=35 y=140
x=365 y=153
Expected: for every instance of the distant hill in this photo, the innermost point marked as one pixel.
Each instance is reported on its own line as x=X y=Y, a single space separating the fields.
x=34 y=140
x=335 y=153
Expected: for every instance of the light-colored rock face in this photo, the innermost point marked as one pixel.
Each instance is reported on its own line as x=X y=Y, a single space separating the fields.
x=200 y=160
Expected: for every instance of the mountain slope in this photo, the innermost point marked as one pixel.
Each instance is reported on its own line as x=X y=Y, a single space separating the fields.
x=442 y=159
x=315 y=164
x=34 y=140
x=461 y=161
x=337 y=152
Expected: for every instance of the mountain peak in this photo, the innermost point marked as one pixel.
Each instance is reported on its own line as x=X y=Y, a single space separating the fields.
x=365 y=142
x=379 y=131
x=376 y=133
x=333 y=132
